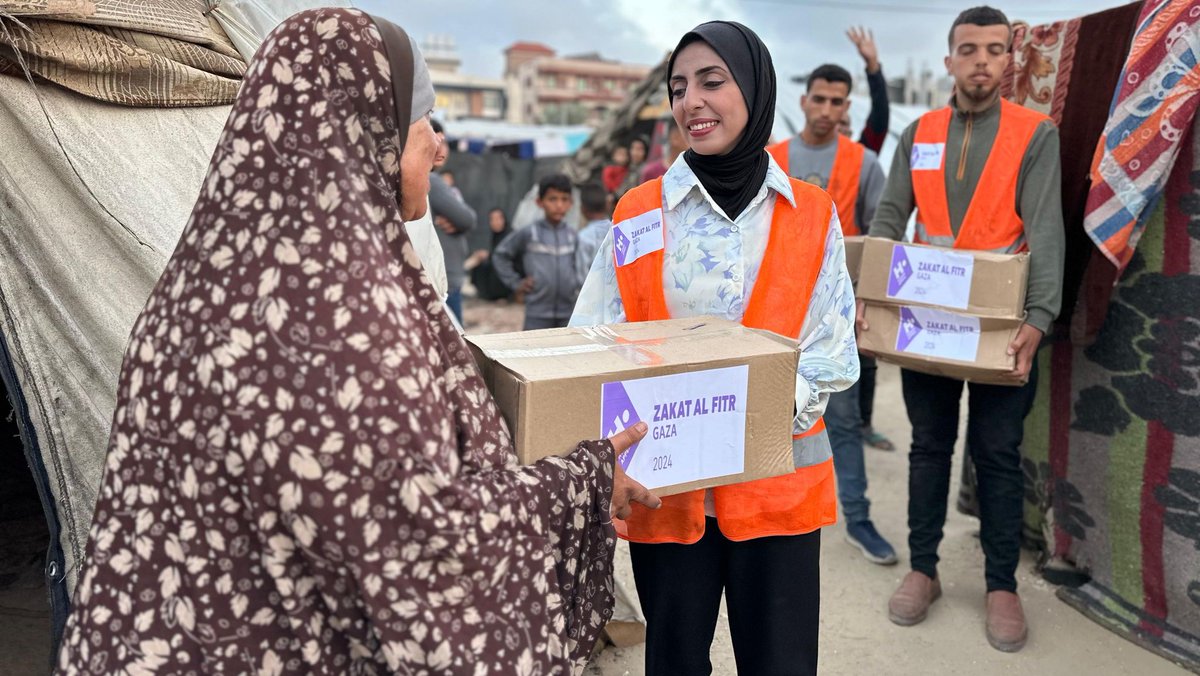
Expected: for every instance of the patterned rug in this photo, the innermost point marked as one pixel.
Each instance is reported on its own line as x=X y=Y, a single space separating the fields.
x=1112 y=447
x=1118 y=423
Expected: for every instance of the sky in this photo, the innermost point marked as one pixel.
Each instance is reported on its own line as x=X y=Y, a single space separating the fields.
x=801 y=34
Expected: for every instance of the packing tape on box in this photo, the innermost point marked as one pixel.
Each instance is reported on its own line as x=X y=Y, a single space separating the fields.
x=603 y=338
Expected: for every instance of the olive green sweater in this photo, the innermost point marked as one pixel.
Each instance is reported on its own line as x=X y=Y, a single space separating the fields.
x=1039 y=199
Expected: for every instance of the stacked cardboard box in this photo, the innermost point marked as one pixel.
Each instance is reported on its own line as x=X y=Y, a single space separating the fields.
x=718 y=397
x=948 y=312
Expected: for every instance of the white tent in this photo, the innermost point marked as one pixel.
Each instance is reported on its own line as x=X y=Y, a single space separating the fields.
x=93 y=197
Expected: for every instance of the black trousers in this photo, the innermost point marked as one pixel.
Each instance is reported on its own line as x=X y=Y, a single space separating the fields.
x=867 y=368
x=772 y=590
x=995 y=428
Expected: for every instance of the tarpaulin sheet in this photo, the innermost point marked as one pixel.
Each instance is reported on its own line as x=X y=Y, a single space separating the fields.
x=82 y=242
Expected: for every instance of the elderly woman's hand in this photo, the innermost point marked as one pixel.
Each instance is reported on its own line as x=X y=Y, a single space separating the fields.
x=626 y=491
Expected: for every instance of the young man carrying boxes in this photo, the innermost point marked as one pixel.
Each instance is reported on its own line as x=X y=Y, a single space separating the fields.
x=851 y=174
x=983 y=175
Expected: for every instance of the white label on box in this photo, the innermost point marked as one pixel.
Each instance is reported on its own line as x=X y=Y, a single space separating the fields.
x=927 y=156
x=933 y=276
x=697 y=424
x=635 y=237
x=933 y=333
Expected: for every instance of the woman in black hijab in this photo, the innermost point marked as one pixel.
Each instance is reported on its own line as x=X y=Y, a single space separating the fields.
x=725 y=232
x=732 y=177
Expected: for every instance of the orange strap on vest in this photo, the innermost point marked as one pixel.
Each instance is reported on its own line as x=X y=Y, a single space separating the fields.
x=992 y=222
x=796 y=503
x=843 y=178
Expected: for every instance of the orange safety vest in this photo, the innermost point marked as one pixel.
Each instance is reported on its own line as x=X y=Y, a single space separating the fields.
x=796 y=503
x=843 y=178
x=992 y=222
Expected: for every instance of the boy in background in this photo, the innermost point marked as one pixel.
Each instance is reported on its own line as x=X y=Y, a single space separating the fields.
x=594 y=205
x=546 y=250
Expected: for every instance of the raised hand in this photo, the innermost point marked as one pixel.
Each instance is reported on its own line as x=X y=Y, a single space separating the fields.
x=864 y=40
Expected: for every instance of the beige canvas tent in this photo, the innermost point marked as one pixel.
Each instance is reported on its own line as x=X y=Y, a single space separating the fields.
x=109 y=114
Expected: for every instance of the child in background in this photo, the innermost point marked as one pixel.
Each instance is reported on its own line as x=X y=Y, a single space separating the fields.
x=639 y=148
x=597 y=214
x=546 y=250
x=614 y=174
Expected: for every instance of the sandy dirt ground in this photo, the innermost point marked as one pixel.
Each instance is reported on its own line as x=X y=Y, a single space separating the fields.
x=856 y=636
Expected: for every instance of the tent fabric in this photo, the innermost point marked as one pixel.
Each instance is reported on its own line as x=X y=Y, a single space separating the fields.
x=1069 y=70
x=163 y=55
x=248 y=22
x=87 y=222
x=1119 y=428
x=184 y=20
x=526 y=141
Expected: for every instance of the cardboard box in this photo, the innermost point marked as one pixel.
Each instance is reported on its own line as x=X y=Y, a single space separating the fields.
x=970 y=282
x=941 y=343
x=718 y=397
x=854 y=254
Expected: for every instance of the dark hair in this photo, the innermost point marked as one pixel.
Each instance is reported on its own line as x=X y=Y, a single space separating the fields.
x=830 y=73
x=558 y=182
x=437 y=126
x=979 y=16
x=642 y=140
x=593 y=199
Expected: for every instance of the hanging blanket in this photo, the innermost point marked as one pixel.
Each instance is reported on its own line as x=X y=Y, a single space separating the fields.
x=1124 y=432
x=161 y=54
x=1154 y=106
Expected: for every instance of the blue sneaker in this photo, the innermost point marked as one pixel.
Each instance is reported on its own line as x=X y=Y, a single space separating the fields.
x=862 y=534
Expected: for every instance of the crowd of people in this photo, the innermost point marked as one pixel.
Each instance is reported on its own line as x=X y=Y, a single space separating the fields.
x=307 y=473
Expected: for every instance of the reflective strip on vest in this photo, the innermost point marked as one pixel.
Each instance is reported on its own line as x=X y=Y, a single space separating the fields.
x=922 y=236
x=811 y=450
x=991 y=222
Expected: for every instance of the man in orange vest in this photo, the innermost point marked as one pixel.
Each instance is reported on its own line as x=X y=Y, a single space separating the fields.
x=851 y=175
x=983 y=174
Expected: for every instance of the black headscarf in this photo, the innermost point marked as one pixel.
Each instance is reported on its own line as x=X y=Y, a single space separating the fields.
x=733 y=179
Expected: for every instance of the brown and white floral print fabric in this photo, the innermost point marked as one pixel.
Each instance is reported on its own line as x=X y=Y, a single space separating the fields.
x=306 y=473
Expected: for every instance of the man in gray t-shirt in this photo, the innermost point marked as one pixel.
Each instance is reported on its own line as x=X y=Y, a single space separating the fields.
x=852 y=176
x=850 y=173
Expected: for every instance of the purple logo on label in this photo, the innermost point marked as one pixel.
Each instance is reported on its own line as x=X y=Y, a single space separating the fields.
x=909 y=328
x=901 y=271
x=621 y=245
x=914 y=156
x=616 y=414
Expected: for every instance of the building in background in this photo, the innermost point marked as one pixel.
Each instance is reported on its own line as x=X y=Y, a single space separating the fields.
x=460 y=95
x=544 y=88
x=920 y=88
